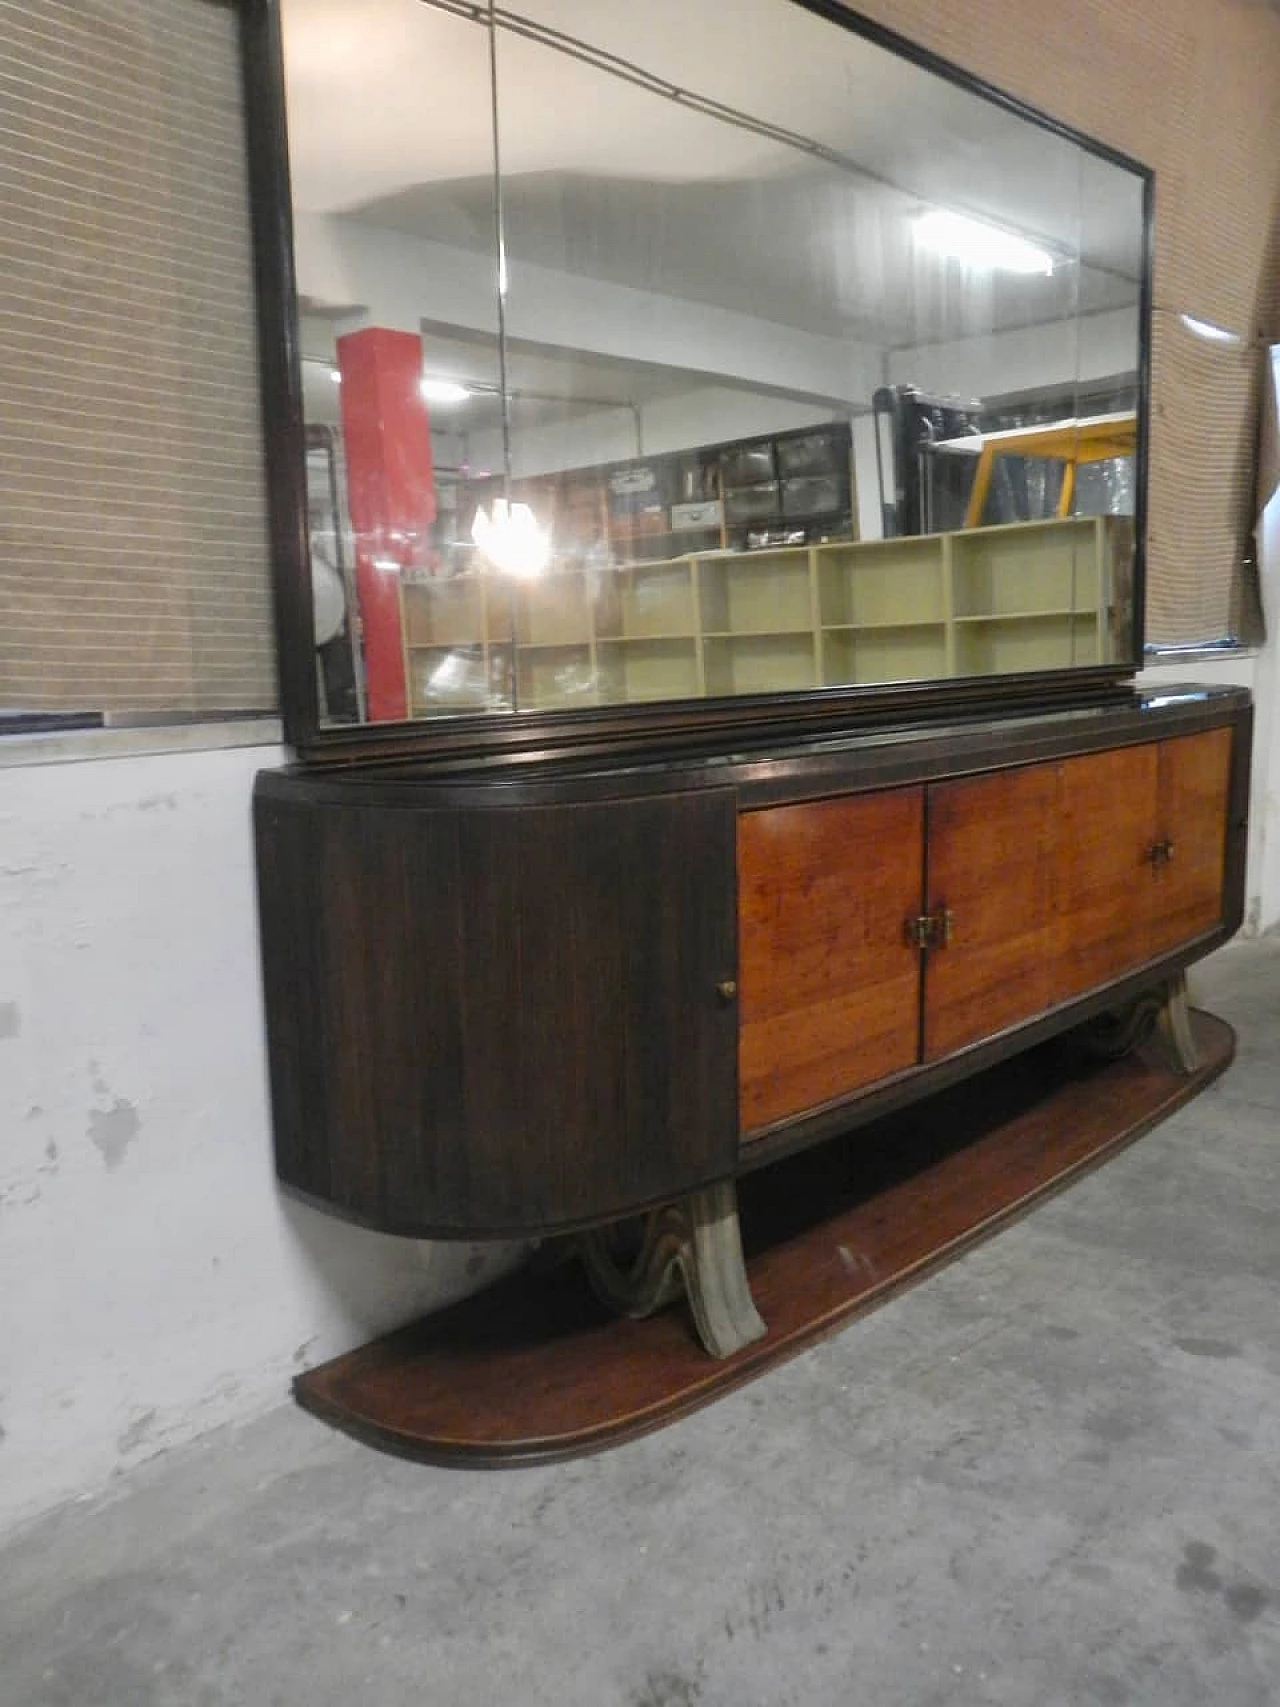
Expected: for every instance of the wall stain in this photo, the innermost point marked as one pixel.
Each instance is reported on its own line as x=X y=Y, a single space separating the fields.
x=1244 y=1601
x=1195 y=1572
x=667 y=1689
x=10 y=1020
x=1113 y=1426
x=129 y=1439
x=112 y=1130
x=1207 y=1348
x=10 y=1199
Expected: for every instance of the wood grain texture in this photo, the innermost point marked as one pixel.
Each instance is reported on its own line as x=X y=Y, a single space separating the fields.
x=500 y=1021
x=829 y=985
x=535 y=1369
x=491 y=998
x=993 y=858
x=1049 y=873
x=1192 y=816
x=1107 y=829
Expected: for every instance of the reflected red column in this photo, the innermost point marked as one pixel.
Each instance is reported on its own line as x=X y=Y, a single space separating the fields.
x=391 y=490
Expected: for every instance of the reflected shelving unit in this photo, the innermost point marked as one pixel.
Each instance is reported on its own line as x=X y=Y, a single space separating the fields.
x=1026 y=596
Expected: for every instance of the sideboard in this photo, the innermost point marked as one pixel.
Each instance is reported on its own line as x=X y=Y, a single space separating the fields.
x=538 y=1004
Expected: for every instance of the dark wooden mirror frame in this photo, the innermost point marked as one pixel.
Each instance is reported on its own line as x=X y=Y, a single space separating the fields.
x=485 y=740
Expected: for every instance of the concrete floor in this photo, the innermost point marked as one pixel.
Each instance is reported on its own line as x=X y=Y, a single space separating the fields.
x=1050 y=1474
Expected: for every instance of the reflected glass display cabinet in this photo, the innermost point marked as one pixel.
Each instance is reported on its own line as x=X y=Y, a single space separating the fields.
x=715 y=723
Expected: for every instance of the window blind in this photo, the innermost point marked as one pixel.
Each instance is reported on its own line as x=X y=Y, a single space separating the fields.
x=133 y=555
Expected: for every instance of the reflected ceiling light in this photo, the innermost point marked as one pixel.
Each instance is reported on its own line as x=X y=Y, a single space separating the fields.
x=445 y=391
x=979 y=245
x=1209 y=332
x=512 y=540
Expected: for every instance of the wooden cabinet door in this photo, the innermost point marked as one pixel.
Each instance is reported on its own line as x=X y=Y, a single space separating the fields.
x=1054 y=882
x=1107 y=831
x=1187 y=888
x=829 y=984
x=501 y=1020
x=993 y=872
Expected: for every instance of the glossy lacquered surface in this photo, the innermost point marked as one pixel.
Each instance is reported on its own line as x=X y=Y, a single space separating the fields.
x=490 y=1022
x=523 y=1005
x=830 y=984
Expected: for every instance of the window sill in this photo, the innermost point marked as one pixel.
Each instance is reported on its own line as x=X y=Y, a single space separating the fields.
x=74 y=746
x=1207 y=652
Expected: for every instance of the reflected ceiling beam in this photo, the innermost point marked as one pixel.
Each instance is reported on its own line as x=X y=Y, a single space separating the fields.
x=368 y=275
x=627 y=71
x=614 y=65
x=1028 y=358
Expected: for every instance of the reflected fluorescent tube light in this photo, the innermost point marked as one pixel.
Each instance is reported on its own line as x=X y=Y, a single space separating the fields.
x=512 y=540
x=445 y=391
x=1209 y=332
x=979 y=245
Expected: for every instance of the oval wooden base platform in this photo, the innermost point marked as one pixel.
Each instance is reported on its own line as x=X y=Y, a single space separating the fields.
x=534 y=1369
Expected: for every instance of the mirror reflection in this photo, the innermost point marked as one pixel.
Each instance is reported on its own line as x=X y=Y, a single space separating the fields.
x=646 y=359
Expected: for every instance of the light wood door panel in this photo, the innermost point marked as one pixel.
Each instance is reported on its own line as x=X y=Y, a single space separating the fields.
x=993 y=863
x=828 y=983
x=1188 y=890
x=1046 y=872
x=1108 y=829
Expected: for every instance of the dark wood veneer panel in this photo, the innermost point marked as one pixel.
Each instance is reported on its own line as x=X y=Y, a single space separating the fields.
x=501 y=1020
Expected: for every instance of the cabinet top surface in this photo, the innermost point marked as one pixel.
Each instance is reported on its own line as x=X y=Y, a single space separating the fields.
x=788 y=767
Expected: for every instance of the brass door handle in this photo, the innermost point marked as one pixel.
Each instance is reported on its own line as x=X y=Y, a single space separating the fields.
x=930 y=930
x=727 y=989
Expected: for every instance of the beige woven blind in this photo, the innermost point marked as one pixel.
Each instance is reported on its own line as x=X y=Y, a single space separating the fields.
x=1192 y=89
x=133 y=557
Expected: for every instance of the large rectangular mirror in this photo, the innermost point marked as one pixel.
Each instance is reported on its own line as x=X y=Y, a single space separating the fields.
x=671 y=353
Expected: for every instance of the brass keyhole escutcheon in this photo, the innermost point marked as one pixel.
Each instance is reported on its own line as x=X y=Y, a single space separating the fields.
x=727 y=989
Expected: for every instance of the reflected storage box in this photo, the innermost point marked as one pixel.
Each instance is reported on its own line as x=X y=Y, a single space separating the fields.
x=748 y=465
x=813 y=453
x=751 y=503
x=694 y=518
x=813 y=495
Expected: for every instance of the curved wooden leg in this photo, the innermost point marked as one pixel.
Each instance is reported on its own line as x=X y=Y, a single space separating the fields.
x=1112 y=1035
x=695 y=1241
x=715 y=1275
x=1175 y=1025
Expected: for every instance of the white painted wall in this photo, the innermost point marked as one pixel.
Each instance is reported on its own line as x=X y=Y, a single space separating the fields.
x=1094 y=348
x=703 y=415
x=153 y=1280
